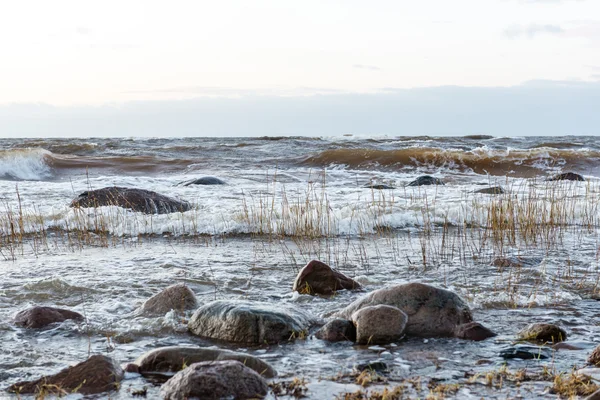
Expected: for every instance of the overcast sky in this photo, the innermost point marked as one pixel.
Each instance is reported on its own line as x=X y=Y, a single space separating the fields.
x=104 y=57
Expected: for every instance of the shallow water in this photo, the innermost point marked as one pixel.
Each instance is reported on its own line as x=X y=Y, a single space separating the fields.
x=279 y=210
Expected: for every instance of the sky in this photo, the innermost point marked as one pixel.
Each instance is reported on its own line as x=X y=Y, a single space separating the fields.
x=94 y=68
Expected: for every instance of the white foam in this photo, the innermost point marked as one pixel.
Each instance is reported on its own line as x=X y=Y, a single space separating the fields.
x=25 y=164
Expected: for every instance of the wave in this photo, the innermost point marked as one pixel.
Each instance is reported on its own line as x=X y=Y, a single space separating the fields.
x=25 y=164
x=520 y=163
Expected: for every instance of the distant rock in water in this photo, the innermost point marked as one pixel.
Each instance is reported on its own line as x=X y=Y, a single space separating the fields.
x=141 y=200
x=378 y=186
x=175 y=297
x=205 y=180
x=319 y=278
x=517 y=262
x=249 y=322
x=95 y=375
x=491 y=190
x=39 y=317
x=567 y=176
x=426 y=180
x=544 y=333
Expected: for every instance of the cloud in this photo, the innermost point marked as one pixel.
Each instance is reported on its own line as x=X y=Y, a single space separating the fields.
x=367 y=67
x=547 y=1
x=220 y=91
x=595 y=77
x=82 y=30
x=532 y=30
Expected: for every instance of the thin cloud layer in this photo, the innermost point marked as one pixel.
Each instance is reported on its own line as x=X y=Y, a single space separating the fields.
x=532 y=30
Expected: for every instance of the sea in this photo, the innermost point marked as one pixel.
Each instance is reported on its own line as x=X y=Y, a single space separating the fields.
x=344 y=200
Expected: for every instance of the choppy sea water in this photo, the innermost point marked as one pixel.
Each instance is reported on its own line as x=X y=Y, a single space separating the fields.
x=285 y=202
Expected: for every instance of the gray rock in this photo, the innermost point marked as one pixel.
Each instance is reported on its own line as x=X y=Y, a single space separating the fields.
x=176 y=297
x=337 y=330
x=491 y=190
x=249 y=322
x=174 y=358
x=379 y=324
x=567 y=176
x=215 y=380
x=516 y=262
x=426 y=180
x=141 y=200
x=378 y=186
x=473 y=331
x=319 y=278
x=95 y=375
x=432 y=312
x=525 y=353
x=545 y=333
x=38 y=317
x=205 y=180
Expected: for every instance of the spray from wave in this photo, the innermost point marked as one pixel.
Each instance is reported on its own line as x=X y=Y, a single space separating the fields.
x=25 y=164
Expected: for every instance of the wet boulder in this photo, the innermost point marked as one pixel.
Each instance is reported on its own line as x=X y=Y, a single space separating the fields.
x=567 y=176
x=378 y=186
x=205 y=180
x=516 y=262
x=432 y=312
x=97 y=374
x=175 y=297
x=525 y=353
x=543 y=333
x=491 y=190
x=426 y=180
x=379 y=324
x=594 y=357
x=38 y=317
x=174 y=358
x=141 y=200
x=215 y=380
x=473 y=331
x=319 y=278
x=249 y=322
x=337 y=330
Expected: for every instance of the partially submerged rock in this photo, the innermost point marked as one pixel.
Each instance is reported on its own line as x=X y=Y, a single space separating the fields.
x=38 y=317
x=594 y=357
x=378 y=186
x=95 y=375
x=205 y=180
x=319 y=278
x=473 y=331
x=175 y=358
x=491 y=190
x=425 y=180
x=249 y=322
x=215 y=380
x=432 y=312
x=337 y=330
x=567 y=176
x=175 y=297
x=525 y=353
x=516 y=262
x=544 y=333
x=379 y=324
x=141 y=200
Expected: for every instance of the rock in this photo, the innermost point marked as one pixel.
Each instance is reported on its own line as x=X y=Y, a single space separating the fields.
x=566 y=346
x=205 y=180
x=249 y=322
x=491 y=190
x=175 y=297
x=525 y=353
x=378 y=186
x=39 y=317
x=337 y=330
x=140 y=200
x=379 y=324
x=594 y=357
x=432 y=312
x=378 y=366
x=172 y=359
x=567 y=176
x=516 y=262
x=545 y=333
x=215 y=380
x=95 y=375
x=473 y=331
x=426 y=180
x=319 y=278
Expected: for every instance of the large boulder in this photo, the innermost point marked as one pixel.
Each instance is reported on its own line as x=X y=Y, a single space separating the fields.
x=175 y=297
x=544 y=333
x=379 y=324
x=175 y=358
x=205 y=180
x=426 y=180
x=432 y=312
x=567 y=176
x=39 y=317
x=249 y=322
x=95 y=375
x=337 y=330
x=319 y=278
x=141 y=200
x=215 y=380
